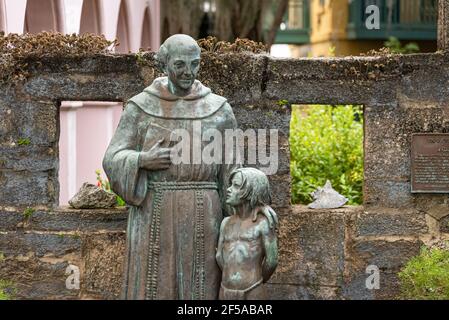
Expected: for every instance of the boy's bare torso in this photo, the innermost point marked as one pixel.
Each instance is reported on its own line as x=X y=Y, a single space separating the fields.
x=243 y=245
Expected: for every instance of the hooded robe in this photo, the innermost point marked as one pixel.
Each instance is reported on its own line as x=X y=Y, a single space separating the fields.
x=174 y=214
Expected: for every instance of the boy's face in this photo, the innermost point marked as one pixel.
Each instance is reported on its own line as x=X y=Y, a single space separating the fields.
x=233 y=193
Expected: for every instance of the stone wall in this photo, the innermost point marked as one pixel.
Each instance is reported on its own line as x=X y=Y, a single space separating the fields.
x=324 y=253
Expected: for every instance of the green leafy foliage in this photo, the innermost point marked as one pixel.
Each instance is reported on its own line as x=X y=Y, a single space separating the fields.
x=105 y=185
x=426 y=276
x=23 y=142
x=282 y=103
x=7 y=290
x=326 y=143
x=28 y=212
x=395 y=46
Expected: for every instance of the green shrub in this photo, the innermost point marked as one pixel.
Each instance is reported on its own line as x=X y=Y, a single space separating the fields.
x=326 y=143
x=105 y=185
x=396 y=46
x=426 y=276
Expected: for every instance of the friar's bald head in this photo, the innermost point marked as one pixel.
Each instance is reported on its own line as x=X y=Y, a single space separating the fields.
x=176 y=44
x=179 y=58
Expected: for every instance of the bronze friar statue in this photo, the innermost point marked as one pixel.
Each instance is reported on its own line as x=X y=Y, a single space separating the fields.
x=175 y=209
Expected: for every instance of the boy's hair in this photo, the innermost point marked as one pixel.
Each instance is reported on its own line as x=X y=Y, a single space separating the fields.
x=255 y=187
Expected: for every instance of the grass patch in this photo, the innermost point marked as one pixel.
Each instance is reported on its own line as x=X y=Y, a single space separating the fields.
x=426 y=276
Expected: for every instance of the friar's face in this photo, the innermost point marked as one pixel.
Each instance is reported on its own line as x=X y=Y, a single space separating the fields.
x=183 y=66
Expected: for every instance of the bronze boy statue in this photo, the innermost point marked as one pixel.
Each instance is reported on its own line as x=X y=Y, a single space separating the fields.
x=247 y=249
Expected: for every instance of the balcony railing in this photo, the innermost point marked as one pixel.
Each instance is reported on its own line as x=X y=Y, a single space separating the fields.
x=295 y=27
x=404 y=19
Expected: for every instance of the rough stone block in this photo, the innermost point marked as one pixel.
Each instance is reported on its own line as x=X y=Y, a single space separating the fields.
x=104 y=256
x=28 y=158
x=10 y=220
x=266 y=115
x=389 y=194
x=67 y=219
x=382 y=222
x=311 y=247
x=19 y=243
x=431 y=203
x=296 y=292
x=356 y=289
x=23 y=188
x=35 y=279
x=320 y=81
x=35 y=121
x=388 y=256
x=280 y=190
x=102 y=77
x=444 y=225
x=238 y=77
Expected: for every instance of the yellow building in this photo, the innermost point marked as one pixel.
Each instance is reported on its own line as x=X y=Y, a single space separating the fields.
x=313 y=27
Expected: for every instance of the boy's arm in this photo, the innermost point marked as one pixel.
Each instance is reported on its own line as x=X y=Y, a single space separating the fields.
x=269 y=241
x=219 y=255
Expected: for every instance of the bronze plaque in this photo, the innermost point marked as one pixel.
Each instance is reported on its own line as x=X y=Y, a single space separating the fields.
x=430 y=163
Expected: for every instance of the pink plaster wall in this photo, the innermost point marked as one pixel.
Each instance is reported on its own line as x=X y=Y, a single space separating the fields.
x=81 y=154
x=86 y=127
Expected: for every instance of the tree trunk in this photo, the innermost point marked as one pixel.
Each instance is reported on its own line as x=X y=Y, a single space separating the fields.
x=280 y=12
x=181 y=16
x=257 y=20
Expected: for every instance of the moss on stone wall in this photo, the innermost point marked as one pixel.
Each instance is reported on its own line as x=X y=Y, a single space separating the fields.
x=212 y=44
x=15 y=49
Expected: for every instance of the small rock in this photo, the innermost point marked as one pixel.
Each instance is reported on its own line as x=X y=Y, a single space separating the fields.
x=327 y=198
x=92 y=197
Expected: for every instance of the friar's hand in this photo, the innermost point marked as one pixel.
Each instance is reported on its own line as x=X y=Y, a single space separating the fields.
x=157 y=158
x=269 y=213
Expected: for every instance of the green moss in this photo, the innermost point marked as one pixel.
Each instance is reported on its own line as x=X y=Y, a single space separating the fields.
x=76 y=235
x=282 y=103
x=426 y=276
x=7 y=290
x=142 y=59
x=2 y=257
x=120 y=202
x=28 y=212
x=23 y=142
x=270 y=114
x=61 y=235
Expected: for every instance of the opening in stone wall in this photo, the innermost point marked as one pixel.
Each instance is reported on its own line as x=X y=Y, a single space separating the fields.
x=86 y=129
x=326 y=144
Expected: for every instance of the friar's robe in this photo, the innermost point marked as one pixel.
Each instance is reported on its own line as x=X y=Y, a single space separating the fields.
x=174 y=214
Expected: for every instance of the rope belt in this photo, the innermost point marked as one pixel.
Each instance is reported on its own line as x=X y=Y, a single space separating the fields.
x=182 y=185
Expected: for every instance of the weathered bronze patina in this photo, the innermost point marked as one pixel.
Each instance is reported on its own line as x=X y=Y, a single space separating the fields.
x=430 y=163
x=175 y=209
x=247 y=249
